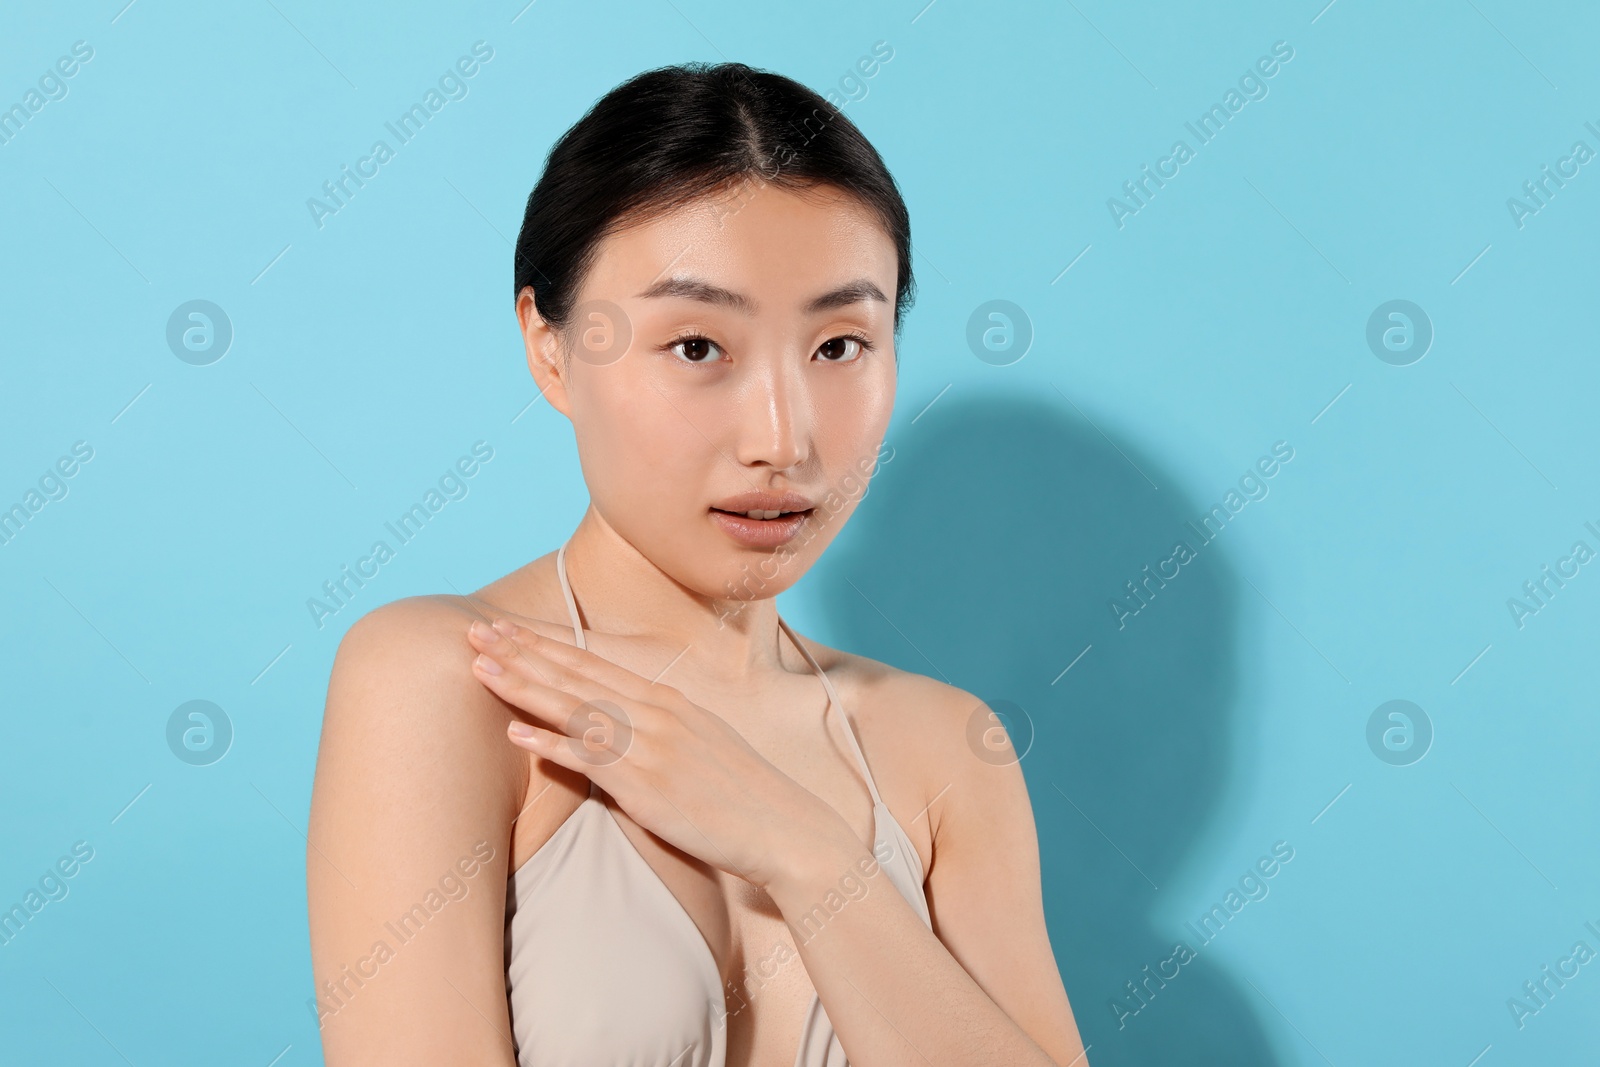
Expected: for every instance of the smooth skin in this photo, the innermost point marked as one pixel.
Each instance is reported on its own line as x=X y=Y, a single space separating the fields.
x=452 y=748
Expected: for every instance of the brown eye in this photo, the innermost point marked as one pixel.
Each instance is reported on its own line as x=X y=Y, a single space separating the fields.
x=841 y=349
x=695 y=349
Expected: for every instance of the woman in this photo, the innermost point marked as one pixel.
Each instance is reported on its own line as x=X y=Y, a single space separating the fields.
x=610 y=809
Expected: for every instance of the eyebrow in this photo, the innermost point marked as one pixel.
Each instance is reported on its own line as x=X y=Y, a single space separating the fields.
x=695 y=289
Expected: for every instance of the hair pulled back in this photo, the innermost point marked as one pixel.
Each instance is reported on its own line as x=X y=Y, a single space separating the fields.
x=671 y=135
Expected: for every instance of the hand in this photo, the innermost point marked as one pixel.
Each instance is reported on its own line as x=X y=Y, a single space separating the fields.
x=680 y=771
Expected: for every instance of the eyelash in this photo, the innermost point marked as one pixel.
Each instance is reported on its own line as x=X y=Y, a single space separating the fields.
x=861 y=339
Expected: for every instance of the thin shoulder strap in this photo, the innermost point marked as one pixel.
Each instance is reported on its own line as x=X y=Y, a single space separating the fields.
x=835 y=702
x=577 y=625
x=566 y=591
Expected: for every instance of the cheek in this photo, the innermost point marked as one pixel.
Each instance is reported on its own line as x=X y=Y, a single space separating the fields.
x=634 y=445
x=851 y=428
x=861 y=416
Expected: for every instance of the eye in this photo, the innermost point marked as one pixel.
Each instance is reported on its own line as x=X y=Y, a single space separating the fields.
x=846 y=348
x=693 y=348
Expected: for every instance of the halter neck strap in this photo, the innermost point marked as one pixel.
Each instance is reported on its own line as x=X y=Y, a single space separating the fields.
x=827 y=683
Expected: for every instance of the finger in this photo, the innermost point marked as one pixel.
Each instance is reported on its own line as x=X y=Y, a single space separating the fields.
x=559 y=632
x=562 y=699
x=519 y=651
x=507 y=673
x=598 y=735
x=582 y=661
x=548 y=744
x=488 y=613
x=483 y=633
x=508 y=654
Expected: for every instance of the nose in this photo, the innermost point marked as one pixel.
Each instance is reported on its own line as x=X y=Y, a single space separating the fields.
x=775 y=416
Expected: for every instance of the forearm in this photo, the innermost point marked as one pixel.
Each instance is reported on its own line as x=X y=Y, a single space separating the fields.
x=891 y=989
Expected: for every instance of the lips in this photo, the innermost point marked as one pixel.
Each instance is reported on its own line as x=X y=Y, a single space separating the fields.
x=778 y=517
x=760 y=533
x=760 y=500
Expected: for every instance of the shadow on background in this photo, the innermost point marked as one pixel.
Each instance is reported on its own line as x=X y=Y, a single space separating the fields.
x=995 y=537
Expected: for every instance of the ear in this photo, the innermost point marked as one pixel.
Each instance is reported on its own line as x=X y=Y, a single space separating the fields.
x=543 y=346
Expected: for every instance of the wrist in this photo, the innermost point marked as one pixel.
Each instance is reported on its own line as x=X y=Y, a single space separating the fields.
x=815 y=876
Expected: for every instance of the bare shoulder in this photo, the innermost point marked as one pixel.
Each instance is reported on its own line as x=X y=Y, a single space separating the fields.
x=424 y=639
x=983 y=880
x=414 y=643
x=901 y=697
x=934 y=747
x=413 y=618
x=415 y=792
x=915 y=711
x=402 y=690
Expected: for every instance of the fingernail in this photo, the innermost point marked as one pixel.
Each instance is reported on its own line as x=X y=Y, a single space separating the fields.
x=480 y=631
x=486 y=665
x=504 y=626
x=520 y=729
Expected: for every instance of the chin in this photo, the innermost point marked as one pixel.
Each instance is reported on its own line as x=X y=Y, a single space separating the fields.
x=743 y=573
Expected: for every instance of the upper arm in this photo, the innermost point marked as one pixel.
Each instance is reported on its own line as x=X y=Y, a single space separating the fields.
x=983 y=888
x=406 y=862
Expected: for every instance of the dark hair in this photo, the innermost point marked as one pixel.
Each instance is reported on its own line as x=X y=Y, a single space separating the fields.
x=670 y=135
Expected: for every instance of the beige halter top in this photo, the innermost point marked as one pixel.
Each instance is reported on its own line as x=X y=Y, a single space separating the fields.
x=604 y=965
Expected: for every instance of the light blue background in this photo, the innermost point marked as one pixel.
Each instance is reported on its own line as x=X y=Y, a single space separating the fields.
x=1228 y=314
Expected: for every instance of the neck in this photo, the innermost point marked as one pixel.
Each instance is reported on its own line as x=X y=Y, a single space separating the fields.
x=620 y=591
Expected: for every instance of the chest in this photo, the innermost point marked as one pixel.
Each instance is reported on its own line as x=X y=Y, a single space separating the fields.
x=608 y=913
x=623 y=950
x=723 y=937
x=766 y=991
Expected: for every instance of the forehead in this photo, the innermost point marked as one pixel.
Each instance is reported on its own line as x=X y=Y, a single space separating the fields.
x=778 y=245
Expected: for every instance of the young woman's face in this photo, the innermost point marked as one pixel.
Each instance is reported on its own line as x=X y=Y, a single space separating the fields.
x=742 y=344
